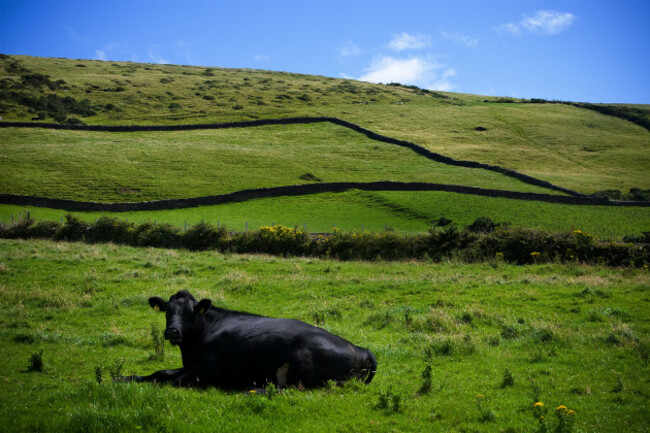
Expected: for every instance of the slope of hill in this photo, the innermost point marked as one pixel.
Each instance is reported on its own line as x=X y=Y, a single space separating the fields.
x=574 y=147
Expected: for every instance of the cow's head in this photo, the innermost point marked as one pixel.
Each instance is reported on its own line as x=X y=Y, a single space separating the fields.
x=182 y=311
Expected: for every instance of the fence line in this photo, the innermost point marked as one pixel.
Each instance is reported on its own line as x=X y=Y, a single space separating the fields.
x=297 y=190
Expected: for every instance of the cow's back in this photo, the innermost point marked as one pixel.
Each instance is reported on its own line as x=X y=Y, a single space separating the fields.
x=246 y=350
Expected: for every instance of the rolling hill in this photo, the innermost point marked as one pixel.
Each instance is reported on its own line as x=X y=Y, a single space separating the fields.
x=571 y=146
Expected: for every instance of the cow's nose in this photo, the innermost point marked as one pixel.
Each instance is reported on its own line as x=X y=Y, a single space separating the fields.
x=172 y=334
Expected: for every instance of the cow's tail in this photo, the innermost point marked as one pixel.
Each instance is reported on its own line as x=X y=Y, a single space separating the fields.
x=369 y=366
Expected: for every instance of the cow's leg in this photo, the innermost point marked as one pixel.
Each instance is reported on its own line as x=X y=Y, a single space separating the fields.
x=301 y=369
x=281 y=375
x=161 y=376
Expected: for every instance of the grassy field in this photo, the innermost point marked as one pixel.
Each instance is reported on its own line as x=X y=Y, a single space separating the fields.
x=576 y=148
x=375 y=211
x=498 y=339
x=144 y=166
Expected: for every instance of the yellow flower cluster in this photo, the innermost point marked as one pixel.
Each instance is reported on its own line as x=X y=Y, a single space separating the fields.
x=278 y=232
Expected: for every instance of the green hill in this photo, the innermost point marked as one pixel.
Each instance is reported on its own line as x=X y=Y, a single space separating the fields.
x=577 y=148
x=571 y=146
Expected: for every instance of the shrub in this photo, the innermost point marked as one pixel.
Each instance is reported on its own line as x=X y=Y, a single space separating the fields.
x=204 y=236
x=107 y=229
x=386 y=245
x=17 y=229
x=158 y=235
x=72 y=230
x=44 y=229
x=482 y=225
x=278 y=239
x=445 y=242
x=517 y=245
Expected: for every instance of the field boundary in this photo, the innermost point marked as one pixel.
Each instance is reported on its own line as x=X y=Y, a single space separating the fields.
x=306 y=189
x=437 y=157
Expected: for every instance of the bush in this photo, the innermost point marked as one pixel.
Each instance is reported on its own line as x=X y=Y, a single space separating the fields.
x=108 y=229
x=278 y=239
x=72 y=230
x=386 y=245
x=44 y=229
x=204 y=236
x=17 y=229
x=482 y=225
x=447 y=241
x=158 y=235
x=522 y=246
x=515 y=245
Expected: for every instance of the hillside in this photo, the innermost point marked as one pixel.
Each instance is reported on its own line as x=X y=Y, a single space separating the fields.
x=573 y=147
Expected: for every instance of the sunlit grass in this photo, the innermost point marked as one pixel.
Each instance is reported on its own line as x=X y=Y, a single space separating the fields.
x=575 y=148
x=568 y=335
x=377 y=211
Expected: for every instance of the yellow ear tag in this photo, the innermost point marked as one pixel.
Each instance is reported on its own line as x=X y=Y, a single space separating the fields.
x=156 y=308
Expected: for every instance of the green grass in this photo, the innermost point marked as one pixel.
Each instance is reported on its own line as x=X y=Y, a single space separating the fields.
x=575 y=148
x=570 y=335
x=145 y=166
x=375 y=211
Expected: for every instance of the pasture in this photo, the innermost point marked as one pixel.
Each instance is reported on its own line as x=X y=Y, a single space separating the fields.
x=404 y=212
x=573 y=147
x=461 y=347
x=162 y=165
x=498 y=338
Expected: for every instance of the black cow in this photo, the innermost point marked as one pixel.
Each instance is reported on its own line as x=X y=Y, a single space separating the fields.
x=235 y=350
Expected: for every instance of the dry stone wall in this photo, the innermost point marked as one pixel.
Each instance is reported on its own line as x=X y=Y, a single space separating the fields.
x=572 y=197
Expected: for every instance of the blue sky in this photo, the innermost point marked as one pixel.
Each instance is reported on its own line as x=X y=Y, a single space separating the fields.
x=579 y=50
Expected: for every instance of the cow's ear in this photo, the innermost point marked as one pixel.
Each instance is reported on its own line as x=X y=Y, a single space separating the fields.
x=157 y=303
x=203 y=306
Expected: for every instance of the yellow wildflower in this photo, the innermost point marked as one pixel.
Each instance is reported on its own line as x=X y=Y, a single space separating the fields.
x=535 y=253
x=561 y=407
x=571 y=412
x=539 y=404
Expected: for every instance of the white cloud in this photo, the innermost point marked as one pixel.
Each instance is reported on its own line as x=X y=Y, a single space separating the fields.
x=100 y=55
x=156 y=58
x=405 y=41
x=510 y=28
x=460 y=38
x=261 y=58
x=350 y=49
x=419 y=71
x=546 y=22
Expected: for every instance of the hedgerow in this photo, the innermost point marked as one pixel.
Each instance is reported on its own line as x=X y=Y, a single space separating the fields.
x=500 y=243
